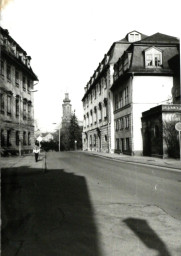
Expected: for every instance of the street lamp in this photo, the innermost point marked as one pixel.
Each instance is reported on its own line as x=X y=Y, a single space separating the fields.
x=58 y=137
x=75 y=145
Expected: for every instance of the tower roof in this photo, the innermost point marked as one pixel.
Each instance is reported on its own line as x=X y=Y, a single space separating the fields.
x=66 y=100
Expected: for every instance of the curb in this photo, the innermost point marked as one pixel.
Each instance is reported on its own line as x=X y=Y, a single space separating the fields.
x=136 y=161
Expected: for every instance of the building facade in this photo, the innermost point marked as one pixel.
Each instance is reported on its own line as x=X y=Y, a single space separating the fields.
x=143 y=78
x=16 y=97
x=160 y=138
x=98 y=125
x=137 y=73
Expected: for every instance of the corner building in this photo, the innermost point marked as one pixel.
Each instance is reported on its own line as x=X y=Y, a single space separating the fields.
x=98 y=124
x=145 y=76
x=16 y=97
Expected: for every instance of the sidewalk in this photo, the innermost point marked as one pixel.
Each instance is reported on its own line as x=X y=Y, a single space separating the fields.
x=25 y=160
x=169 y=162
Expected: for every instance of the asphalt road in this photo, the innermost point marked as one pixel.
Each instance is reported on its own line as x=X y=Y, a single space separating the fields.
x=113 y=181
x=84 y=205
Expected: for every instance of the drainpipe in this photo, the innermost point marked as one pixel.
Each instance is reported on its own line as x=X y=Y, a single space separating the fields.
x=132 y=134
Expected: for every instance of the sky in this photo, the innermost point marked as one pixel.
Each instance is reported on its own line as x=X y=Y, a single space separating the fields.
x=67 y=39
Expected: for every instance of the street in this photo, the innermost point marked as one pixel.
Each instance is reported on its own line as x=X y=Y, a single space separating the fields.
x=86 y=205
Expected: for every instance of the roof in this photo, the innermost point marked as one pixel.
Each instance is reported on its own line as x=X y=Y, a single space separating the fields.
x=159 y=38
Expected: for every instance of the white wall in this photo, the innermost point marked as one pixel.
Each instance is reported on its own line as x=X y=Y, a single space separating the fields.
x=148 y=92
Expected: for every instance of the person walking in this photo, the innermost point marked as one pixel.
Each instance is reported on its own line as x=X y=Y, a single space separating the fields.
x=36 y=151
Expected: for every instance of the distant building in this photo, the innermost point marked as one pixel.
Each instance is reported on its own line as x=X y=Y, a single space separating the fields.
x=160 y=137
x=47 y=137
x=16 y=99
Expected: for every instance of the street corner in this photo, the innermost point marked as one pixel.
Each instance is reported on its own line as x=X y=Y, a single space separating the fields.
x=136 y=229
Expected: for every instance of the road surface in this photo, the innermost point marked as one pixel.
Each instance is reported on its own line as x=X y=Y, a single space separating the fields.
x=85 y=205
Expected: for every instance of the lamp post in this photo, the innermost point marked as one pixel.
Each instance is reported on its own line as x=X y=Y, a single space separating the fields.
x=75 y=145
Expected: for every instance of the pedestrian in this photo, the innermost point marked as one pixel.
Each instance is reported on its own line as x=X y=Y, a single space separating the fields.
x=36 y=151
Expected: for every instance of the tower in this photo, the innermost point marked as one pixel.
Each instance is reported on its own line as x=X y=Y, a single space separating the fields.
x=67 y=111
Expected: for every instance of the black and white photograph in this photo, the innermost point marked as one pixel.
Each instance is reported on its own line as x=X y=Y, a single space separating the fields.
x=90 y=123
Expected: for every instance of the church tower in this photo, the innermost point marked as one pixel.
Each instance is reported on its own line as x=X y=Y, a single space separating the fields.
x=67 y=111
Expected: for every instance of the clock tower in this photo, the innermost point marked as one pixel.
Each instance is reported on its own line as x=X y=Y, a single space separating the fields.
x=67 y=111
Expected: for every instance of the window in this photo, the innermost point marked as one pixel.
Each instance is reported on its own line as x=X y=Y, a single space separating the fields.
x=120 y=99
x=2 y=67
x=95 y=115
x=9 y=138
x=24 y=83
x=100 y=112
x=87 y=119
x=17 y=78
x=17 y=138
x=117 y=144
x=117 y=124
x=105 y=138
x=29 y=138
x=29 y=110
x=116 y=102
x=9 y=72
x=126 y=95
x=24 y=138
x=2 y=103
x=91 y=118
x=134 y=36
x=126 y=119
x=121 y=124
x=94 y=139
x=104 y=85
x=99 y=88
x=90 y=141
x=95 y=93
x=156 y=133
x=153 y=58
x=9 y=105
x=122 y=144
x=17 y=106
x=2 y=138
x=127 y=144
x=24 y=109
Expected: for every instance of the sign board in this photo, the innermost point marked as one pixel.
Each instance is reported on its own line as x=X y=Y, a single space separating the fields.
x=178 y=126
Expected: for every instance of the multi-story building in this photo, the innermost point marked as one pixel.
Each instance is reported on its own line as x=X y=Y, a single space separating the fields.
x=98 y=126
x=16 y=97
x=144 y=77
x=137 y=73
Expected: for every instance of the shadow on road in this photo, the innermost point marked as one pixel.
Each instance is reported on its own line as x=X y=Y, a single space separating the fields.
x=147 y=235
x=46 y=213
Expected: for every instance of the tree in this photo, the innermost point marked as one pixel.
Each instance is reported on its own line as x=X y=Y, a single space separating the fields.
x=70 y=136
x=75 y=134
x=170 y=136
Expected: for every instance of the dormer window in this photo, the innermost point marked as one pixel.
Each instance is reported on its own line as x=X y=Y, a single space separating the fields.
x=134 y=36
x=153 y=58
